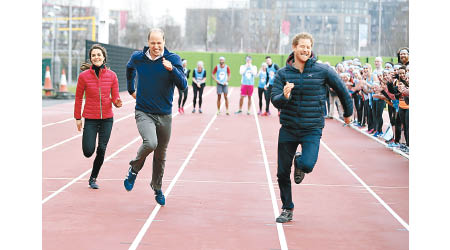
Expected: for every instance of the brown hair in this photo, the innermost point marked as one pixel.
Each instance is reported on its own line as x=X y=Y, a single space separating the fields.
x=86 y=65
x=303 y=35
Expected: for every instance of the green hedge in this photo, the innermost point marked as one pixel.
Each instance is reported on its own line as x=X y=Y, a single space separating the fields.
x=235 y=60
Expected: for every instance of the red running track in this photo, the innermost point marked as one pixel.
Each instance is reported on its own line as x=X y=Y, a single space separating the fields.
x=220 y=197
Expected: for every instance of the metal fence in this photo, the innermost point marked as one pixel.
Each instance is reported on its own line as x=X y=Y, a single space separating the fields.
x=117 y=60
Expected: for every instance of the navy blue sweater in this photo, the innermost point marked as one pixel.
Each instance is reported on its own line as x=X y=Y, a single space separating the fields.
x=155 y=84
x=305 y=107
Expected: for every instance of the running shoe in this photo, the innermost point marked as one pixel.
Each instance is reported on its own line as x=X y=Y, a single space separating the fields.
x=285 y=216
x=200 y=111
x=393 y=145
x=268 y=113
x=159 y=197
x=129 y=180
x=380 y=134
x=259 y=113
x=228 y=113
x=376 y=134
x=193 y=111
x=404 y=148
x=248 y=113
x=299 y=175
x=92 y=183
x=264 y=114
x=179 y=110
x=238 y=112
x=371 y=131
x=182 y=110
x=218 y=112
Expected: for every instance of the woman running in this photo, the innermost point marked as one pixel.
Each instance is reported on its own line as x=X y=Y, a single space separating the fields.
x=198 y=84
x=101 y=88
x=262 y=85
x=182 y=94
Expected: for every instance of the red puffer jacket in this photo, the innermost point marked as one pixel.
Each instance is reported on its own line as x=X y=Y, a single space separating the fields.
x=98 y=104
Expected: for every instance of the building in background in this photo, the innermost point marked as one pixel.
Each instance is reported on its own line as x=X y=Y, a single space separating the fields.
x=340 y=27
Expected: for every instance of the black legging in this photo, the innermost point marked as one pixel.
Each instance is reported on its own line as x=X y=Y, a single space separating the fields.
x=267 y=94
x=260 y=97
x=92 y=127
x=378 y=114
x=367 y=115
x=200 y=94
x=392 y=115
x=402 y=120
x=182 y=96
x=358 y=106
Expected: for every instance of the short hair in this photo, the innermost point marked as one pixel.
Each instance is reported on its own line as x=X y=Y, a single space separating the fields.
x=379 y=58
x=200 y=63
x=220 y=58
x=303 y=35
x=155 y=30
x=267 y=57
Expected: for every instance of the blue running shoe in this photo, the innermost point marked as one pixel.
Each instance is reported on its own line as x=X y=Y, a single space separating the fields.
x=129 y=180
x=93 y=183
x=376 y=134
x=393 y=145
x=159 y=197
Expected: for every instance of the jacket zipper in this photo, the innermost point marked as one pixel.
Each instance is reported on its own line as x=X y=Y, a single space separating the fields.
x=100 y=94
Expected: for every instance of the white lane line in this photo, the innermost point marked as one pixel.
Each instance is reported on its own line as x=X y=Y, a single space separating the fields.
x=71 y=119
x=88 y=171
x=386 y=206
x=281 y=236
x=115 y=121
x=107 y=159
x=375 y=139
x=152 y=216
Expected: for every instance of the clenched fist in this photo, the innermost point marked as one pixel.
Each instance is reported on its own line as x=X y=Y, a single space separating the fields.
x=287 y=89
x=167 y=64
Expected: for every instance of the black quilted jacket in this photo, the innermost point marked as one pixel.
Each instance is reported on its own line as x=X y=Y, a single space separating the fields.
x=305 y=108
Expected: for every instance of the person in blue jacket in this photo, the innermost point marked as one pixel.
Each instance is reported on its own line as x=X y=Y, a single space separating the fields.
x=299 y=91
x=159 y=71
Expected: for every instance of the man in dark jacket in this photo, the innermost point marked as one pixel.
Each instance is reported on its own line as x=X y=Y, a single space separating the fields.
x=159 y=71
x=300 y=92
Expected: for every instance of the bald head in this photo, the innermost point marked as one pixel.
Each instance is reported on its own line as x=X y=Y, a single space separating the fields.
x=156 y=30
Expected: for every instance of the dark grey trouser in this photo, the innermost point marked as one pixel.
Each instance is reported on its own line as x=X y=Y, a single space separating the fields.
x=155 y=132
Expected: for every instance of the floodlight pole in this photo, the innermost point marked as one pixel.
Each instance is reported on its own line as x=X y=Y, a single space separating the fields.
x=69 y=70
x=379 y=28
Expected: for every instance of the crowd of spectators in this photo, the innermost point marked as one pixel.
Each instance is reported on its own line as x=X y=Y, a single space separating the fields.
x=373 y=91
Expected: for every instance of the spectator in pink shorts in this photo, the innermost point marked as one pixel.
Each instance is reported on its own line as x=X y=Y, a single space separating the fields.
x=248 y=72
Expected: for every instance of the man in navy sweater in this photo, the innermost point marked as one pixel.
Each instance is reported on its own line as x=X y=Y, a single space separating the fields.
x=159 y=71
x=299 y=91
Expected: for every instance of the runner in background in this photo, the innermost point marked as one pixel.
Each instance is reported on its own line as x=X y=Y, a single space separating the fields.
x=198 y=84
x=248 y=72
x=262 y=74
x=182 y=94
x=272 y=69
x=221 y=74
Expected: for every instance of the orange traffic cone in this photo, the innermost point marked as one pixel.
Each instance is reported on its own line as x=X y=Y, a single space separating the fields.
x=63 y=83
x=48 y=87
